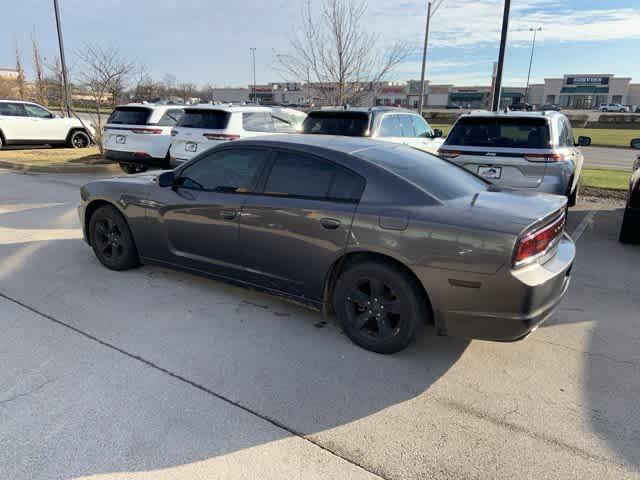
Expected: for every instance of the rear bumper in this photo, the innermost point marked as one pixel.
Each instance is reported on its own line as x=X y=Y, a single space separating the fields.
x=137 y=158
x=511 y=304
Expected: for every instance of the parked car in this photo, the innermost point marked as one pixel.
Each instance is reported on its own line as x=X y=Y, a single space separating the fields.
x=613 y=107
x=206 y=126
x=389 y=124
x=550 y=107
x=530 y=151
x=138 y=135
x=630 y=230
x=27 y=123
x=453 y=106
x=520 y=107
x=386 y=236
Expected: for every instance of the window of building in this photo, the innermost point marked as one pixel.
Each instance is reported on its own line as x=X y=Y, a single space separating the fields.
x=616 y=99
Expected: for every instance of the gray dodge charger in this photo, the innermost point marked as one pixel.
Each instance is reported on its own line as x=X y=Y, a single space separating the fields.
x=386 y=237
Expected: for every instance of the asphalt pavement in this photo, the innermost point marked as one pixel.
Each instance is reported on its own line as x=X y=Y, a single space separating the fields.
x=155 y=374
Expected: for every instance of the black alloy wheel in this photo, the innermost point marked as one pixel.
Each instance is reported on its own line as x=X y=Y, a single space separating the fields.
x=79 y=139
x=379 y=306
x=131 y=168
x=111 y=239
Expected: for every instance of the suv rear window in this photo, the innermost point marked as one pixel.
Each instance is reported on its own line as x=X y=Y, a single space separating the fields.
x=130 y=116
x=500 y=132
x=351 y=124
x=209 y=119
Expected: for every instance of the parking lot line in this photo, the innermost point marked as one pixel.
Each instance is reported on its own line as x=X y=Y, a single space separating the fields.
x=586 y=221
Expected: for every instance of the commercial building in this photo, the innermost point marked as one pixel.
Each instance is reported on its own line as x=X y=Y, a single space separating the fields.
x=9 y=73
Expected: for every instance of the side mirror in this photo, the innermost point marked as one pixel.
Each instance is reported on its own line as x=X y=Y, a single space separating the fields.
x=166 y=179
x=437 y=133
x=635 y=143
x=584 y=141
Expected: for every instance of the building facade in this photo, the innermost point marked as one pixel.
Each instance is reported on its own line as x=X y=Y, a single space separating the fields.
x=9 y=73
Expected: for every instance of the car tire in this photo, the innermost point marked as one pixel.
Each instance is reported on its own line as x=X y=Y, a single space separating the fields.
x=629 y=232
x=79 y=139
x=112 y=240
x=379 y=306
x=131 y=168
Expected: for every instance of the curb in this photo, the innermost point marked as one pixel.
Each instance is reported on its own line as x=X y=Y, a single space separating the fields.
x=608 y=193
x=80 y=168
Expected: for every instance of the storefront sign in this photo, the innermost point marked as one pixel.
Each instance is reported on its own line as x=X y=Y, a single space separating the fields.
x=592 y=81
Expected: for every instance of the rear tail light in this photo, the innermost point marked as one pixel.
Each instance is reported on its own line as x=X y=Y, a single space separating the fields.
x=544 y=157
x=147 y=131
x=532 y=245
x=446 y=153
x=220 y=136
x=174 y=133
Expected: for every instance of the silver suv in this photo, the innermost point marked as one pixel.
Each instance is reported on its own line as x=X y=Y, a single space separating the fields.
x=522 y=150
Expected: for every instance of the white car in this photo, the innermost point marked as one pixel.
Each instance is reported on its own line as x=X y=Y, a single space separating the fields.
x=138 y=135
x=613 y=107
x=27 y=123
x=205 y=126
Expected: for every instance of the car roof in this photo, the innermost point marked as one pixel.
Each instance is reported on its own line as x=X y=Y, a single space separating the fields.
x=343 y=144
x=152 y=106
x=510 y=114
x=378 y=109
x=229 y=107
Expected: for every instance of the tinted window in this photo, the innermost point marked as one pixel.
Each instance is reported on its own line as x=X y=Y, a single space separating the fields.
x=434 y=175
x=420 y=126
x=500 y=132
x=257 y=122
x=390 y=126
x=12 y=109
x=35 y=111
x=170 y=117
x=301 y=176
x=206 y=119
x=350 y=124
x=130 y=115
x=231 y=171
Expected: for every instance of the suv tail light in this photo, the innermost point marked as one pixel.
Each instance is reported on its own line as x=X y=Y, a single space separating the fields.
x=220 y=136
x=147 y=131
x=544 y=157
x=534 y=244
x=446 y=153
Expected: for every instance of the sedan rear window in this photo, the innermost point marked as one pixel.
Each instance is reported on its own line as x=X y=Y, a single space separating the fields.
x=130 y=116
x=351 y=124
x=435 y=176
x=500 y=132
x=207 y=119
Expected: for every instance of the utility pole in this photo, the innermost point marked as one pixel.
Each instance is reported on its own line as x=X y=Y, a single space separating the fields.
x=503 y=46
x=424 y=58
x=533 y=46
x=63 y=63
x=253 y=73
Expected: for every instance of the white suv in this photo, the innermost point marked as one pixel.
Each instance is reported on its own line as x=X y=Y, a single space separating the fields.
x=27 y=123
x=138 y=135
x=613 y=107
x=205 y=126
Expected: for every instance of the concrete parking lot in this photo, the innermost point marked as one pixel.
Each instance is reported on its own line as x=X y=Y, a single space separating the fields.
x=156 y=374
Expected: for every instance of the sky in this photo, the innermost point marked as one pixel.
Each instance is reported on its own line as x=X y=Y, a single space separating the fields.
x=208 y=41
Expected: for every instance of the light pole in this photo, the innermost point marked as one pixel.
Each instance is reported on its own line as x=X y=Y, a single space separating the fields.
x=533 y=46
x=63 y=63
x=503 y=46
x=431 y=10
x=253 y=72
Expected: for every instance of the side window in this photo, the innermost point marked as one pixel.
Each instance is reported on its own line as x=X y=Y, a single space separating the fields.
x=228 y=171
x=12 y=110
x=390 y=126
x=421 y=127
x=170 y=117
x=406 y=123
x=569 y=134
x=297 y=175
x=257 y=122
x=35 y=111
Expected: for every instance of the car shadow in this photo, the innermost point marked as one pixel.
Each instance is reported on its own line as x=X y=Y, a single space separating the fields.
x=175 y=354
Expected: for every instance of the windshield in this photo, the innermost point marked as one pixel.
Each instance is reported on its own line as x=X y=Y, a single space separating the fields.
x=130 y=116
x=351 y=124
x=207 y=119
x=500 y=132
x=438 y=177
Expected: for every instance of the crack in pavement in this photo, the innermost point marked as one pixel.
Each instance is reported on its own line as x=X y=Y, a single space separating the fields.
x=27 y=393
x=176 y=376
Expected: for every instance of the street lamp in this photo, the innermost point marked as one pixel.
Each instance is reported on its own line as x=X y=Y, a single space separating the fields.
x=432 y=7
x=533 y=46
x=253 y=73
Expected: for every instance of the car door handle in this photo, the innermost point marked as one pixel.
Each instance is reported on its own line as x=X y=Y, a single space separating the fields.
x=330 y=223
x=228 y=214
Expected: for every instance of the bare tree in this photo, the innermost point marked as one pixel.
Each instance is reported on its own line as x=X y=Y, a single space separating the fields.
x=144 y=87
x=333 y=52
x=20 y=79
x=39 y=81
x=8 y=87
x=186 y=91
x=55 y=83
x=104 y=71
